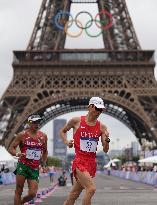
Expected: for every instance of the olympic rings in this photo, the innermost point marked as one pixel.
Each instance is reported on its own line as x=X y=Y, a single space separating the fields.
x=110 y=17
x=90 y=34
x=60 y=19
x=62 y=22
x=84 y=12
x=66 y=28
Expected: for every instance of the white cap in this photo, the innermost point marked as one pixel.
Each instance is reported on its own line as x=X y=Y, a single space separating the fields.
x=97 y=102
x=34 y=118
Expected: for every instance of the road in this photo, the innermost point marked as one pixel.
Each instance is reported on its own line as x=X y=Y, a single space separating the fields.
x=110 y=191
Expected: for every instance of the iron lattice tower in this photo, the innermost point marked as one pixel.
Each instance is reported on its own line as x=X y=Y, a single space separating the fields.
x=51 y=80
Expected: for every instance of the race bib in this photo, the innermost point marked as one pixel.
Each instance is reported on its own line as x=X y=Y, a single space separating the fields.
x=33 y=154
x=88 y=144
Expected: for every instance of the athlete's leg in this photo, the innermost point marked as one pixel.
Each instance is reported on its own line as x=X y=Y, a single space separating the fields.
x=74 y=193
x=71 y=177
x=20 y=180
x=51 y=178
x=32 y=190
x=87 y=183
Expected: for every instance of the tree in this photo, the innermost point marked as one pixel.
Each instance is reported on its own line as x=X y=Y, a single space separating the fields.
x=54 y=161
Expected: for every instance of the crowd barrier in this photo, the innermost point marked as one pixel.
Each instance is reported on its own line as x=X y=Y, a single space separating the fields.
x=9 y=178
x=144 y=177
x=149 y=177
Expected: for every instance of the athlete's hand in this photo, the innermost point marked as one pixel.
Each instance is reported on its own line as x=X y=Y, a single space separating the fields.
x=19 y=154
x=70 y=143
x=44 y=169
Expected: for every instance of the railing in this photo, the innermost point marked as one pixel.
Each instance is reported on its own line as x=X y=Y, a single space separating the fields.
x=83 y=1
x=83 y=56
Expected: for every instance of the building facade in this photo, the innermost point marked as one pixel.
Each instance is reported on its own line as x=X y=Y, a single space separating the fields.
x=135 y=148
x=59 y=148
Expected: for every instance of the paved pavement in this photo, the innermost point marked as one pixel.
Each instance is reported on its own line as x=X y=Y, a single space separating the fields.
x=110 y=191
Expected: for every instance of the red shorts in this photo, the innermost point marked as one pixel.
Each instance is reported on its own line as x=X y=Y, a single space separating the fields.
x=84 y=165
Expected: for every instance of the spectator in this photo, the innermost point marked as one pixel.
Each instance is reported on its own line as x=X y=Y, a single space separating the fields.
x=1 y=182
x=62 y=179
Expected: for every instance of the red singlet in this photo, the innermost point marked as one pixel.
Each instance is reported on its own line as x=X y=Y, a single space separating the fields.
x=85 y=142
x=33 y=149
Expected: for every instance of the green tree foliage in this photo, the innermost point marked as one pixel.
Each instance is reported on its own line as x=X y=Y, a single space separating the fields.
x=54 y=161
x=123 y=159
x=136 y=158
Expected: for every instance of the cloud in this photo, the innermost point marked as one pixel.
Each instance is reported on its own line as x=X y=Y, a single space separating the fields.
x=143 y=14
x=15 y=32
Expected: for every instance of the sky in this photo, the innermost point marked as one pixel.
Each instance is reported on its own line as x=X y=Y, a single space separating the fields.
x=17 y=19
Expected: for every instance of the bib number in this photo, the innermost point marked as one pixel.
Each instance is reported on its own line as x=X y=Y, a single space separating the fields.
x=34 y=154
x=88 y=144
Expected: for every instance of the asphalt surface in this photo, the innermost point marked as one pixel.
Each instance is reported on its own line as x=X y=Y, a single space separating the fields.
x=110 y=191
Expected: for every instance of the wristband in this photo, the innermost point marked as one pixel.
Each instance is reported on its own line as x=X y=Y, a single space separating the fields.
x=107 y=140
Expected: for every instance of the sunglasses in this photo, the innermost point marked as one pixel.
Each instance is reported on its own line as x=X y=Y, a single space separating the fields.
x=98 y=109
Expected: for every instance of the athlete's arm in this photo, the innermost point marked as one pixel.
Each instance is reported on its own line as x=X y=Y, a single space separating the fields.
x=71 y=124
x=45 y=153
x=14 y=144
x=105 y=138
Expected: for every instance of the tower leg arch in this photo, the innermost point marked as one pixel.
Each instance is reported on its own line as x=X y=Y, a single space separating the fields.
x=61 y=103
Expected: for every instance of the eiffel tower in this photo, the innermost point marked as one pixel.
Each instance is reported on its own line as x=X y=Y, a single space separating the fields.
x=51 y=80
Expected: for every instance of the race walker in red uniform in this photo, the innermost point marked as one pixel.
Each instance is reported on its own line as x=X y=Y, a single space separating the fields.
x=86 y=133
x=85 y=142
x=33 y=151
